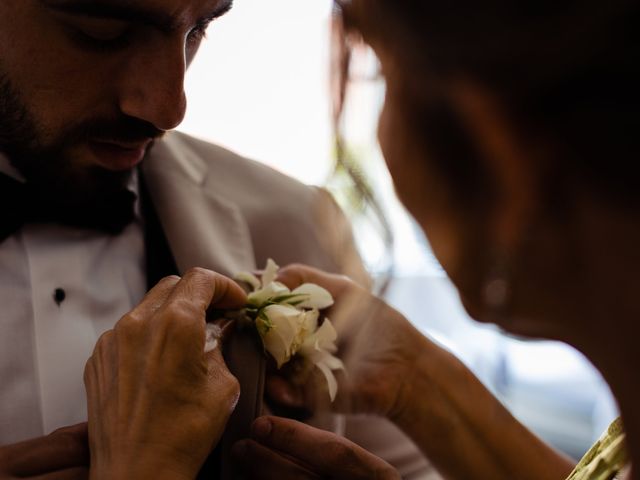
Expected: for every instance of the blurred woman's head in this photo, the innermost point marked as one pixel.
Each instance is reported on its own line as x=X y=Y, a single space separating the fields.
x=508 y=128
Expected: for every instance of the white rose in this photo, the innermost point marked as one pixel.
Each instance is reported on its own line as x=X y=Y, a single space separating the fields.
x=287 y=322
x=266 y=288
x=280 y=327
x=312 y=296
x=318 y=348
x=270 y=291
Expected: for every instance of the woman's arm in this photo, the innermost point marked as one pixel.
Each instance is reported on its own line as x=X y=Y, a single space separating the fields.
x=393 y=370
x=465 y=431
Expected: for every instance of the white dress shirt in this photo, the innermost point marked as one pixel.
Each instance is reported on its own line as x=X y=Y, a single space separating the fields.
x=46 y=337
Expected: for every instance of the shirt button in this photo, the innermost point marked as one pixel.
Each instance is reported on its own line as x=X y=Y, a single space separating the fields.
x=59 y=295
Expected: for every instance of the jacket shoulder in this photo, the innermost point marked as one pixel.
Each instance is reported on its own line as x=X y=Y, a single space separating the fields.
x=288 y=220
x=236 y=174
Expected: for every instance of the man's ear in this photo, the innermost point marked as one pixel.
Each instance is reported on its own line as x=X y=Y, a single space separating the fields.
x=508 y=160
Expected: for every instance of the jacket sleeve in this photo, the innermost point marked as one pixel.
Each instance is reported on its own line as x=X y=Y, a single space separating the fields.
x=336 y=237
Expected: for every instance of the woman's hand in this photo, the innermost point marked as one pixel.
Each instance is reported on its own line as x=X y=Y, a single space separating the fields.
x=395 y=371
x=282 y=448
x=157 y=403
x=377 y=344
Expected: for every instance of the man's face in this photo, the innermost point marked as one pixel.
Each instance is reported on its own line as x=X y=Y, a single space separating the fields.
x=87 y=85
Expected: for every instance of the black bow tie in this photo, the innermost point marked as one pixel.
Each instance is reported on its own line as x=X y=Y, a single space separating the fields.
x=22 y=203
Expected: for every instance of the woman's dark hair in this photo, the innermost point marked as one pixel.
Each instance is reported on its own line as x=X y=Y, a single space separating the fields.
x=565 y=71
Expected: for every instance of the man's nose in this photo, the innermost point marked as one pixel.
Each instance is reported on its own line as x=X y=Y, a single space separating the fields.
x=152 y=87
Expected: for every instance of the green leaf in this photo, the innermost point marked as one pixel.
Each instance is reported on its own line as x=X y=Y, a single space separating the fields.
x=286 y=298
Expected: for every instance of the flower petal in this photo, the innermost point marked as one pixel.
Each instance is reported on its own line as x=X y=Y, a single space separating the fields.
x=270 y=272
x=315 y=296
x=279 y=339
x=320 y=344
x=326 y=336
x=270 y=290
x=310 y=322
x=249 y=278
x=326 y=367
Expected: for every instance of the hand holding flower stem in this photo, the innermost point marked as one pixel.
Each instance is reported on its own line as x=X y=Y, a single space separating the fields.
x=289 y=325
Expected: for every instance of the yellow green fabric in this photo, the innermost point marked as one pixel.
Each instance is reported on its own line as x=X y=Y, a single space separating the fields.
x=606 y=458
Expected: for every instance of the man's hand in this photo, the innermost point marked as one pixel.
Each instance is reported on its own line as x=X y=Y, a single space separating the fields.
x=376 y=343
x=62 y=455
x=281 y=448
x=157 y=403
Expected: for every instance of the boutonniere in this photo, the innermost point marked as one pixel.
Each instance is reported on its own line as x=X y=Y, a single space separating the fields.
x=290 y=325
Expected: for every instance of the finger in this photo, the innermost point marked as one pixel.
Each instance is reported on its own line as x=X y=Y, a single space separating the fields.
x=77 y=473
x=62 y=449
x=260 y=462
x=292 y=399
x=182 y=317
x=286 y=400
x=326 y=452
x=155 y=298
x=79 y=429
x=205 y=288
x=295 y=275
x=284 y=393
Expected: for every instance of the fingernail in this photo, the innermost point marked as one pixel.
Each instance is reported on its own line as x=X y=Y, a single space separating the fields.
x=261 y=428
x=239 y=450
x=288 y=398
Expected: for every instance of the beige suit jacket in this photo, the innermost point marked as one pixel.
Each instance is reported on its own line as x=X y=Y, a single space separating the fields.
x=226 y=213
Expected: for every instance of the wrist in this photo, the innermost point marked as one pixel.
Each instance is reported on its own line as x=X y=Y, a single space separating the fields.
x=414 y=372
x=133 y=467
x=427 y=375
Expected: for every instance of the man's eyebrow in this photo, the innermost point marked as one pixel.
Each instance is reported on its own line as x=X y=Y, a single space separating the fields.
x=127 y=11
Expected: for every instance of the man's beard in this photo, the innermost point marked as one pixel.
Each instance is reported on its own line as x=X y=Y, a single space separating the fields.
x=85 y=194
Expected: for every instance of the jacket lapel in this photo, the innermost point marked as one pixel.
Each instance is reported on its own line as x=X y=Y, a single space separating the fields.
x=206 y=230
x=202 y=229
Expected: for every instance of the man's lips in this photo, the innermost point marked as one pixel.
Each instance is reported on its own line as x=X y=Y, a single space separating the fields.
x=119 y=156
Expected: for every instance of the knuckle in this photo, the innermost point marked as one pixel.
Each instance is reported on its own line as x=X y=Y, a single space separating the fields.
x=104 y=341
x=197 y=273
x=128 y=327
x=169 y=280
x=233 y=385
x=131 y=320
x=232 y=394
x=181 y=310
x=165 y=284
x=341 y=452
x=385 y=472
x=226 y=384
x=88 y=369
